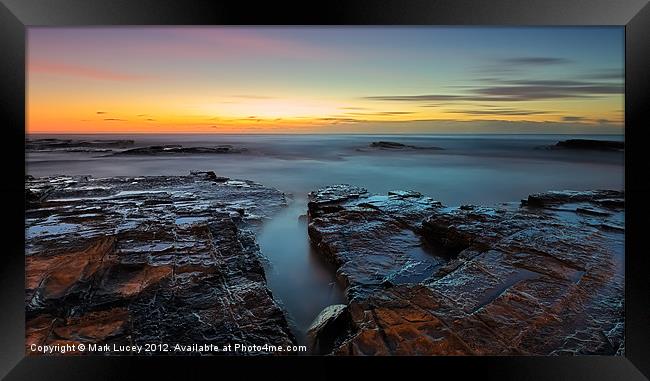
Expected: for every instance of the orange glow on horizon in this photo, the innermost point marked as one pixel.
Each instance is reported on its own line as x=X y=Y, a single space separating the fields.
x=281 y=80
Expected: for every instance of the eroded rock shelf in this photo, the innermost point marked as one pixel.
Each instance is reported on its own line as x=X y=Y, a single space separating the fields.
x=174 y=259
x=149 y=260
x=542 y=278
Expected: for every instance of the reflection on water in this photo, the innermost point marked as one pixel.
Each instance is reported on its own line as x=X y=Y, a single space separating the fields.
x=470 y=169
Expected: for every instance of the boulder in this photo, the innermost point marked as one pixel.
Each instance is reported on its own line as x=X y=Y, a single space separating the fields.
x=327 y=327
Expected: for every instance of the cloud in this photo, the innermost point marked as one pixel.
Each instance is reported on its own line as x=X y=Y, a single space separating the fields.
x=573 y=118
x=101 y=112
x=533 y=90
x=88 y=72
x=395 y=112
x=253 y=96
x=437 y=97
x=511 y=65
x=605 y=74
x=379 y=113
x=340 y=120
x=114 y=119
x=416 y=98
x=534 y=61
x=545 y=82
x=354 y=108
x=210 y=42
x=516 y=90
x=501 y=111
x=488 y=125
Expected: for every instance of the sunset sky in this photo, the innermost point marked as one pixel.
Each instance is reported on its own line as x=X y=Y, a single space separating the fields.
x=329 y=79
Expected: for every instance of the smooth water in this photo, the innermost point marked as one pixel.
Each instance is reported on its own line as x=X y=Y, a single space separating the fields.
x=476 y=169
x=301 y=279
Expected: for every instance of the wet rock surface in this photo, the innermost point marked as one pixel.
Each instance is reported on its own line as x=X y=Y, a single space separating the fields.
x=372 y=239
x=537 y=278
x=152 y=259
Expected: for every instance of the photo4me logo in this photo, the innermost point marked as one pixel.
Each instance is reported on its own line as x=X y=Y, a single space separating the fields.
x=236 y=348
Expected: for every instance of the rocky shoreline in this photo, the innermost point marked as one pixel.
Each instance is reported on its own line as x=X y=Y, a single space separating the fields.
x=144 y=260
x=174 y=259
x=543 y=278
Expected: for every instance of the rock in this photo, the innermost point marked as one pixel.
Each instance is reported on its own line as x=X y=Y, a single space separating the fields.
x=398 y=146
x=209 y=175
x=334 y=194
x=73 y=145
x=327 y=327
x=602 y=197
x=178 y=149
x=371 y=239
x=594 y=211
x=390 y=145
x=156 y=259
x=589 y=144
x=34 y=196
x=404 y=194
x=540 y=279
x=611 y=202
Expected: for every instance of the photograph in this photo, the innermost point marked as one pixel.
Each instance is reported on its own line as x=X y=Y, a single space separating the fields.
x=325 y=190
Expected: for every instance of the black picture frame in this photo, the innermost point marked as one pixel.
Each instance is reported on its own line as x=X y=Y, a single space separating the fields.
x=16 y=15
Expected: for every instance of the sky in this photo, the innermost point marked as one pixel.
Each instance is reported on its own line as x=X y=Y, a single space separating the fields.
x=325 y=80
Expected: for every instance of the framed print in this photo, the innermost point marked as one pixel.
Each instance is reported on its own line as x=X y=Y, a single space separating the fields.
x=457 y=185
